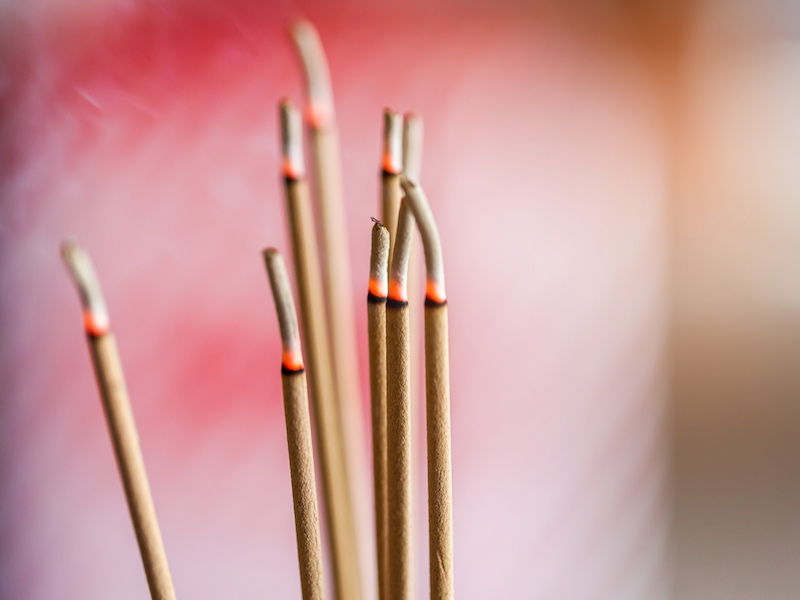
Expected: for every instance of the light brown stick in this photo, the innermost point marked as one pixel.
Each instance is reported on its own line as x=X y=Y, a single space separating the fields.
x=376 y=327
x=326 y=163
x=111 y=382
x=437 y=391
x=440 y=478
x=298 y=432
x=337 y=499
x=301 y=462
x=398 y=413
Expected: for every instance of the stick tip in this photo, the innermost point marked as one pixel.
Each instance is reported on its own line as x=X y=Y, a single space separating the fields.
x=79 y=265
x=293 y=163
x=392 y=141
x=318 y=81
x=379 y=261
x=292 y=356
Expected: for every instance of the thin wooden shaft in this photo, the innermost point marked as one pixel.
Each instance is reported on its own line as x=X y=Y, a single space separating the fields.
x=110 y=380
x=336 y=490
x=304 y=487
x=376 y=325
x=398 y=429
x=440 y=486
x=391 y=195
x=340 y=309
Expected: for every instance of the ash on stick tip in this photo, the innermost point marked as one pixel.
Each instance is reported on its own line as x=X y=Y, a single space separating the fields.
x=318 y=79
x=417 y=203
x=379 y=261
x=392 y=142
x=95 y=313
x=292 y=355
x=291 y=140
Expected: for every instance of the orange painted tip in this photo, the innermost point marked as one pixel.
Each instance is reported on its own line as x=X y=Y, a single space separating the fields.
x=397 y=291
x=320 y=116
x=94 y=326
x=378 y=288
x=435 y=291
x=290 y=170
x=292 y=361
x=390 y=165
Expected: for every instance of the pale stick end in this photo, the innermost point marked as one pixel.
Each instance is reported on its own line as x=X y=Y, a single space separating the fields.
x=291 y=140
x=417 y=202
x=379 y=261
x=392 y=142
x=284 y=306
x=79 y=265
x=318 y=81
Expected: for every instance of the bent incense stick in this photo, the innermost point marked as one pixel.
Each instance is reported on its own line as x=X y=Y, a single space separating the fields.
x=111 y=382
x=437 y=394
x=298 y=432
x=337 y=498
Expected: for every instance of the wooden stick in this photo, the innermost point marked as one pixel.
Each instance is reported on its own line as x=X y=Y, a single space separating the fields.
x=392 y=165
x=376 y=326
x=337 y=499
x=437 y=392
x=298 y=432
x=326 y=162
x=398 y=415
x=110 y=380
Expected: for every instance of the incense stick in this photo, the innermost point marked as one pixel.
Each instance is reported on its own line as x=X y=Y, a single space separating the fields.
x=437 y=393
x=298 y=432
x=326 y=162
x=337 y=499
x=398 y=415
x=392 y=165
x=376 y=327
x=110 y=380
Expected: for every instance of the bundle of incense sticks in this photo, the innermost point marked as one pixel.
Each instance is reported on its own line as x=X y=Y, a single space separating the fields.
x=325 y=325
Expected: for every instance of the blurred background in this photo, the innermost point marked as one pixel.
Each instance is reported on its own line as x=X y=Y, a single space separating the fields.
x=617 y=188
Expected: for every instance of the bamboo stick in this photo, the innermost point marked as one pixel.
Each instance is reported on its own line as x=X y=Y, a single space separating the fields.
x=121 y=425
x=298 y=433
